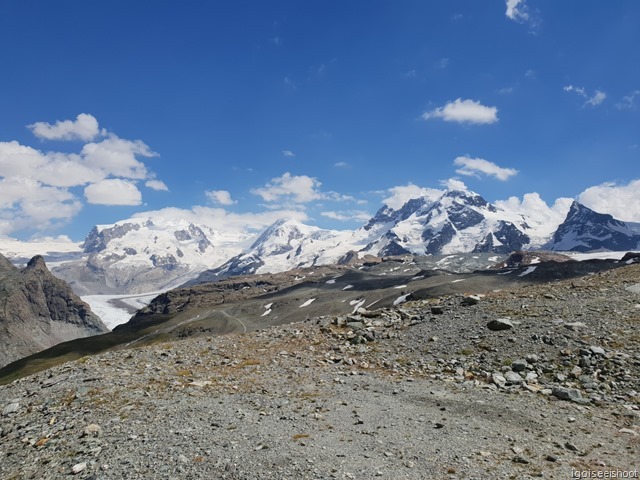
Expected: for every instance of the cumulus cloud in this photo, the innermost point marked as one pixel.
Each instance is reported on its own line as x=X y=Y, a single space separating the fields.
x=614 y=199
x=347 y=215
x=544 y=218
x=295 y=188
x=29 y=174
x=158 y=185
x=401 y=194
x=517 y=10
x=84 y=127
x=464 y=111
x=26 y=203
x=476 y=166
x=220 y=197
x=596 y=99
x=454 y=184
x=114 y=191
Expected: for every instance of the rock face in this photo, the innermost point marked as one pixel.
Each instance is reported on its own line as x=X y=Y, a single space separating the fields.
x=585 y=230
x=38 y=310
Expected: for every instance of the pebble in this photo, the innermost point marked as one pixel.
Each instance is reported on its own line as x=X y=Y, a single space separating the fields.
x=500 y=324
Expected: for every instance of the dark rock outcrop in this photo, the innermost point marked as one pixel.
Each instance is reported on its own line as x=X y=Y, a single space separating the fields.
x=38 y=310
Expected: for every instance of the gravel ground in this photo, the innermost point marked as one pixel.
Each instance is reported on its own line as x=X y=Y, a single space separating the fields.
x=426 y=390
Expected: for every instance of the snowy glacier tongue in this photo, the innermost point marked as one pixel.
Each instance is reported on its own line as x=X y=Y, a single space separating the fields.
x=115 y=310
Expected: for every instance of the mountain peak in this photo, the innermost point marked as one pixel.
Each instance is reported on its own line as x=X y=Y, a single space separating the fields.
x=37 y=263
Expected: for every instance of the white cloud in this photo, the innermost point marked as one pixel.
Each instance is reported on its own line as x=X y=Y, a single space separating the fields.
x=475 y=166
x=116 y=156
x=27 y=204
x=288 y=153
x=296 y=188
x=464 y=111
x=596 y=99
x=540 y=216
x=85 y=127
x=341 y=164
x=220 y=197
x=628 y=101
x=614 y=199
x=454 y=184
x=517 y=10
x=113 y=191
x=30 y=175
x=348 y=215
x=401 y=194
x=158 y=185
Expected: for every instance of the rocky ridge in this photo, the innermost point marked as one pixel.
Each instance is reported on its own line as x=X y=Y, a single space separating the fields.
x=38 y=310
x=521 y=383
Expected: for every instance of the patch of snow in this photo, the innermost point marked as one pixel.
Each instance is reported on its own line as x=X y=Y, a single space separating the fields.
x=458 y=280
x=357 y=306
x=348 y=287
x=400 y=286
x=268 y=306
x=401 y=299
x=418 y=277
x=598 y=255
x=307 y=303
x=113 y=314
x=267 y=312
x=332 y=281
x=358 y=300
x=527 y=271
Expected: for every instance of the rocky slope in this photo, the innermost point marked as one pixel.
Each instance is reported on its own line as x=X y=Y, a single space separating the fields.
x=38 y=310
x=534 y=382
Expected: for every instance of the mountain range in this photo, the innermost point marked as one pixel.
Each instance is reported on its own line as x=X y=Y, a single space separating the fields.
x=156 y=253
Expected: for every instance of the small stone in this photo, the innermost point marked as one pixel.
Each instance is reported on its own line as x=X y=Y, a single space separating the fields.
x=596 y=350
x=532 y=358
x=92 y=430
x=517 y=450
x=498 y=379
x=551 y=458
x=519 y=365
x=78 y=468
x=500 y=324
x=570 y=394
x=470 y=300
x=520 y=459
x=628 y=431
x=437 y=310
x=10 y=408
x=513 y=378
x=570 y=446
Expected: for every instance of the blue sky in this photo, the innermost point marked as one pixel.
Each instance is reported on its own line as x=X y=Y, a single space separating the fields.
x=315 y=109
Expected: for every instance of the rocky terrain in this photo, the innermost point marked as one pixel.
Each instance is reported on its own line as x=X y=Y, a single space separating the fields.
x=38 y=310
x=534 y=381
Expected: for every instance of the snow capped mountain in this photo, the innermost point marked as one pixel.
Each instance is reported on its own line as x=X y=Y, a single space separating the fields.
x=284 y=245
x=585 y=230
x=160 y=251
x=457 y=221
x=140 y=255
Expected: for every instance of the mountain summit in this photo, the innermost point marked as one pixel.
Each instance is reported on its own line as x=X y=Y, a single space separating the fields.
x=38 y=310
x=585 y=230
